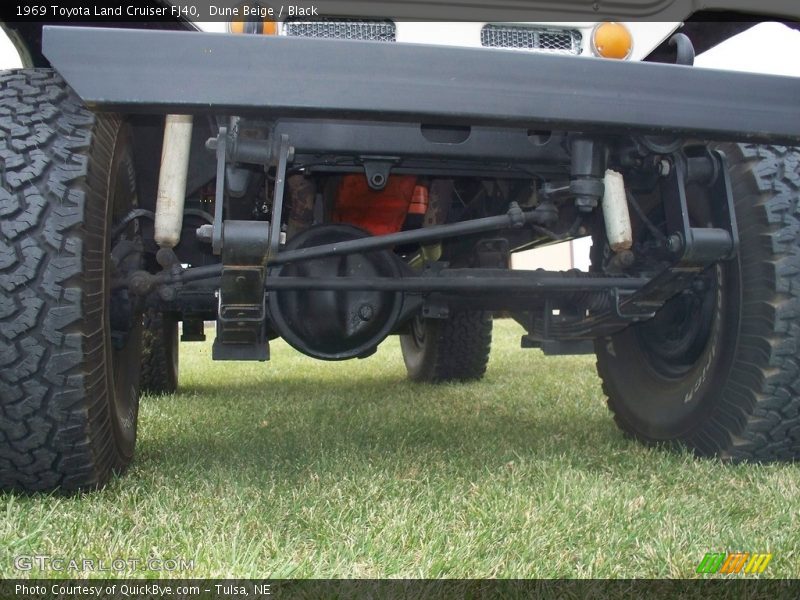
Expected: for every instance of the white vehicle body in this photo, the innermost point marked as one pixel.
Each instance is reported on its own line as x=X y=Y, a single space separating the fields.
x=646 y=35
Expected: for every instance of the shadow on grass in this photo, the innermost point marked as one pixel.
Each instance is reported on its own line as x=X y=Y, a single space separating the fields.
x=268 y=388
x=383 y=423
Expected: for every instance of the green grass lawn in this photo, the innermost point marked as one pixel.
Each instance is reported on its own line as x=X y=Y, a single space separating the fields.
x=298 y=468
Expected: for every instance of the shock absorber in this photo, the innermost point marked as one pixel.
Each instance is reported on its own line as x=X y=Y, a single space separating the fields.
x=172 y=180
x=615 y=213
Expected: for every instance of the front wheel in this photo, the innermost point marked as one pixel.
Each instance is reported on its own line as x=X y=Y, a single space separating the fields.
x=717 y=369
x=69 y=343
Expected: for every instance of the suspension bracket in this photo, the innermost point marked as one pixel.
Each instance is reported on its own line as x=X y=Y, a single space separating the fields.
x=241 y=313
x=692 y=249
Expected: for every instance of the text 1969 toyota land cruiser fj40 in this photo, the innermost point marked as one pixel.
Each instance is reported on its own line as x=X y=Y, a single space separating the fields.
x=333 y=192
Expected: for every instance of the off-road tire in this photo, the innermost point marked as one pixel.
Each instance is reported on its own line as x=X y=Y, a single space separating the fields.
x=68 y=395
x=454 y=349
x=740 y=400
x=159 y=354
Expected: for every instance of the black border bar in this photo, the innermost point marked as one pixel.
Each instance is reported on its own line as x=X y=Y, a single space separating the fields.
x=410 y=10
x=319 y=589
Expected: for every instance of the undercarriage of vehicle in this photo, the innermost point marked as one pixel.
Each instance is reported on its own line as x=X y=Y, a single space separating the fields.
x=334 y=291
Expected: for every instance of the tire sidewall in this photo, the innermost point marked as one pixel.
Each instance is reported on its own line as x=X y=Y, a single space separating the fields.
x=418 y=354
x=665 y=408
x=122 y=367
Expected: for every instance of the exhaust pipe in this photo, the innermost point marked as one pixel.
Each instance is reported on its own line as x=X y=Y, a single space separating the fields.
x=172 y=180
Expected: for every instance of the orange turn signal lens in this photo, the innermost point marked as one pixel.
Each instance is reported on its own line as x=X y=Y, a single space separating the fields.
x=612 y=40
x=269 y=27
x=251 y=17
x=262 y=27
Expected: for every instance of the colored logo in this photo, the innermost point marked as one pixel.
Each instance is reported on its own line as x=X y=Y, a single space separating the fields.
x=733 y=563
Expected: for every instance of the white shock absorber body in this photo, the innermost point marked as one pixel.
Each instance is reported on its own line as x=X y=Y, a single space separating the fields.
x=615 y=213
x=172 y=180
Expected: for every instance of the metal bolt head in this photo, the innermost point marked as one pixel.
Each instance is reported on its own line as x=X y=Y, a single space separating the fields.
x=626 y=258
x=168 y=293
x=141 y=282
x=674 y=243
x=205 y=233
x=366 y=312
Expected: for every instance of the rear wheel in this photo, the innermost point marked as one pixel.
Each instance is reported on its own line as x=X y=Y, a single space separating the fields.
x=448 y=349
x=717 y=369
x=69 y=345
x=159 y=353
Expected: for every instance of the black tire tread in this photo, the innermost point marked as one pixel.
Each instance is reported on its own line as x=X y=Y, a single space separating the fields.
x=53 y=431
x=159 y=340
x=459 y=348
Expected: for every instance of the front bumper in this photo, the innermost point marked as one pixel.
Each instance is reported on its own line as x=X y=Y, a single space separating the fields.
x=166 y=72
